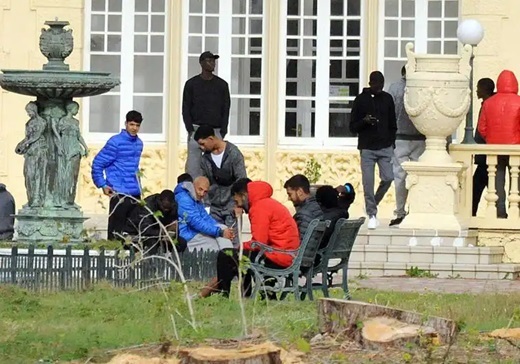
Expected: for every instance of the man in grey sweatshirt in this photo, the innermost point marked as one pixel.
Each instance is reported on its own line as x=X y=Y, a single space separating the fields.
x=223 y=164
x=7 y=211
x=409 y=146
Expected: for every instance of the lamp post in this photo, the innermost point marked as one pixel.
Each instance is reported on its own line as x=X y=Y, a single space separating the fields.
x=470 y=32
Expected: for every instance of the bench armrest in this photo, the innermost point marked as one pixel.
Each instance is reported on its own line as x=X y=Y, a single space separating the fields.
x=263 y=248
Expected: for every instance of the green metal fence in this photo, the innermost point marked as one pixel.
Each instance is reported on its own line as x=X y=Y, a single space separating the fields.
x=62 y=269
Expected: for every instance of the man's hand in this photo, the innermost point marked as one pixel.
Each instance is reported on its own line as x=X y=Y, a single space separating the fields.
x=369 y=119
x=228 y=234
x=108 y=191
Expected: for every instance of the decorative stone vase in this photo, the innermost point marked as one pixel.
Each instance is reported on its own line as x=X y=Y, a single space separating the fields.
x=56 y=44
x=437 y=97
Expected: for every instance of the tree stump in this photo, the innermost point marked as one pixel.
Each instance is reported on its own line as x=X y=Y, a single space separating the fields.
x=341 y=316
x=257 y=354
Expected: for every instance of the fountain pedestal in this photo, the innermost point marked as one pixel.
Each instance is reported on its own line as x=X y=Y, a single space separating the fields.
x=437 y=98
x=53 y=145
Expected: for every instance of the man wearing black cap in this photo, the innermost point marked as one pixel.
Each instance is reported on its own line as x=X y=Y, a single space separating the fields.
x=205 y=101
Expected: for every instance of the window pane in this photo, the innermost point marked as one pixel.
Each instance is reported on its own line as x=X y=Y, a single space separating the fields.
x=148 y=73
x=408 y=28
x=238 y=46
x=104 y=114
x=239 y=7
x=300 y=121
x=98 y=5
x=98 y=23
x=255 y=26
x=157 y=43
x=115 y=5
x=106 y=63
x=391 y=7
x=195 y=6
x=450 y=29
x=195 y=24
x=391 y=28
x=451 y=47
x=245 y=118
x=391 y=48
x=114 y=23
x=211 y=44
x=212 y=6
x=141 y=23
x=97 y=43
x=353 y=27
x=152 y=109
x=451 y=9
x=114 y=43
x=193 y=66
x=140 y=43
x=434 y=8
x=336 y=7
x=408 y=8
x=141 y=5
x=339 y=119
x=195 y=45
x=434 y=47
x=157 y=23
x=212 y=25
x=256 y=6
x=158 y=6
x=303 y=84
x=434 y=29
x=354 y=7
x=241 y=70
x=392 y=72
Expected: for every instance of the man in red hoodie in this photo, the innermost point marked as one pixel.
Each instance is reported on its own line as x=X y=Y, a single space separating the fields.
x=499 y=123
x=271 y=224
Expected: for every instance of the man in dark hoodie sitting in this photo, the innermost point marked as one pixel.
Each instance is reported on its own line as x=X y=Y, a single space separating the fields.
x=147 y=228
x=7 y=211
x=327 y=197
x=307 y=209
x=373 y=119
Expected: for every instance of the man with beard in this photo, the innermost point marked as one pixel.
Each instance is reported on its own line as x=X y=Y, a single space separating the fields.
x=307 y=209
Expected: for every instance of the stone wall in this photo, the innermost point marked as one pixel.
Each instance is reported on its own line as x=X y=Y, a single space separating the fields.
x=507 y=238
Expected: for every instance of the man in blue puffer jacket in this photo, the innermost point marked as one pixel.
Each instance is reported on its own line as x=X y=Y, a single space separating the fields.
x=196 y=226
x=115 y=169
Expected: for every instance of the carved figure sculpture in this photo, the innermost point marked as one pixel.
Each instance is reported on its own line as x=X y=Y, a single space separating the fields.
x=71 y=148
x=34 y=148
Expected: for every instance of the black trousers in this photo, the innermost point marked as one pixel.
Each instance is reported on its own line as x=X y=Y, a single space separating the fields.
x=480 y=181
x=119 y=210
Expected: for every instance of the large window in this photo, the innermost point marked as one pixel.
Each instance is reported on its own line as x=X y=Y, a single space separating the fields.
x=321 y=70
x=234 y=29
x=128 y=39
x=430 y=24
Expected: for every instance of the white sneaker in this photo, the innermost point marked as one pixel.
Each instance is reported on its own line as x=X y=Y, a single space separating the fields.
x=373 y=222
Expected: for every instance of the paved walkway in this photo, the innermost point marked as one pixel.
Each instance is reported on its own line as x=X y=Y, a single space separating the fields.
x=405 y=284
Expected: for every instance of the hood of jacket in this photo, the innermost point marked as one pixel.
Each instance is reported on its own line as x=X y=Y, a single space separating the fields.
x=2 y=187
x=186 y=187
x=258 y=190
x=507 y=83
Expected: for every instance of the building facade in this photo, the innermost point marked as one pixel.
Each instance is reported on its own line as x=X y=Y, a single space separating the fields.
x=294 y=68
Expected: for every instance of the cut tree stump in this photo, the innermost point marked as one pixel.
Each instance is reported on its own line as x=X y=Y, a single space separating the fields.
x=341 y=316
x=266 y=353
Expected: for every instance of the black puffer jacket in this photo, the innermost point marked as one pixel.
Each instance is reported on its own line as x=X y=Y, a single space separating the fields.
x=305 y=213
x=7 y=210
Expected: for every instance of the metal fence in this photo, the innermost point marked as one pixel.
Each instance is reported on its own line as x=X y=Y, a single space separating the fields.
x=62 y=269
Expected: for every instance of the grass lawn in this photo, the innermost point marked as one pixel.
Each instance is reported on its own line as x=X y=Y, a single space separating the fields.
x=65 y=326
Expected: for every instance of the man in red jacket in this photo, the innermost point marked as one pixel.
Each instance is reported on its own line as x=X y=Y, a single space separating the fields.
x=499 y=123
x=271 y=224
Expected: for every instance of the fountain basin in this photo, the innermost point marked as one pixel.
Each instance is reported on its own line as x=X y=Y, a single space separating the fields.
x=57 y=84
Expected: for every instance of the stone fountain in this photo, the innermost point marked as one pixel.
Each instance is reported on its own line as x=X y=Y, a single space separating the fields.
x=53 y=145
x=437 y=98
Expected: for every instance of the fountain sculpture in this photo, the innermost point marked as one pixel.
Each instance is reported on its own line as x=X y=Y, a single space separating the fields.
x=53 y=145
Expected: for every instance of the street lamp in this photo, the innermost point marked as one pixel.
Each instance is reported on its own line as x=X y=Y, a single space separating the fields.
x=470 y=32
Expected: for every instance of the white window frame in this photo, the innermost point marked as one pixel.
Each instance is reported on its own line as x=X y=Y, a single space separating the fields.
x=223 y=69
x=126 y=92
x=420 y=30
x=322 y=98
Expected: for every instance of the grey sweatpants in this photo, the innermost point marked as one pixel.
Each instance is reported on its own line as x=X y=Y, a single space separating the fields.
x=405 y=150
x=195 y=154
x=206 y=242
x=369 y=158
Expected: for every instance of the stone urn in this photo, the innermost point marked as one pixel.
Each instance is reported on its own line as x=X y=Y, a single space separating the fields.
x=437 y=97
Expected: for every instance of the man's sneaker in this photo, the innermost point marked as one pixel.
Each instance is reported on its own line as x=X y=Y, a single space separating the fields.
x=372 y=223
x=396 y=221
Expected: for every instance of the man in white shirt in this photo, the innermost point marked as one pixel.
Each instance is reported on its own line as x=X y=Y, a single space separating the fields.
x=223 y=164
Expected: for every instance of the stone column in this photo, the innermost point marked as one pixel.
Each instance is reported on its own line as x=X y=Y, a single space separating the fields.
x=437 y=98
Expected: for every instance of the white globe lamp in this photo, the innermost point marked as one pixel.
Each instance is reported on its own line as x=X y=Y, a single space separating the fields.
x=470 y=31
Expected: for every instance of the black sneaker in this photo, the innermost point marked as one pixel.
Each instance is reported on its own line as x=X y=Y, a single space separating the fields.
x=396 y=221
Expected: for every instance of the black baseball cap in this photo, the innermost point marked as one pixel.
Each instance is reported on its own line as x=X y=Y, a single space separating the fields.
x=208 y=54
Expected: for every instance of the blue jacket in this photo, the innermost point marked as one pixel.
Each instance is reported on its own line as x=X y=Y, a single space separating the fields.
x=119 y=160
x=193 y=218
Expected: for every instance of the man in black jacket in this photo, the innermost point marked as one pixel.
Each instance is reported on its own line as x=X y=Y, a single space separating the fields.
x=7 y=211
x=298 y=190
x=373 y=119
x=327 y=197
x=205 y=101
x=143 y=224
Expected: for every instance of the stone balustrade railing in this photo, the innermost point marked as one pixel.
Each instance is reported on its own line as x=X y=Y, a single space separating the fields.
x=487 y=214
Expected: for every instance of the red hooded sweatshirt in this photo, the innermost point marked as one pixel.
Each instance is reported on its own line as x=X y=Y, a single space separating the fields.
x=271 y=223
x=499 y=121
